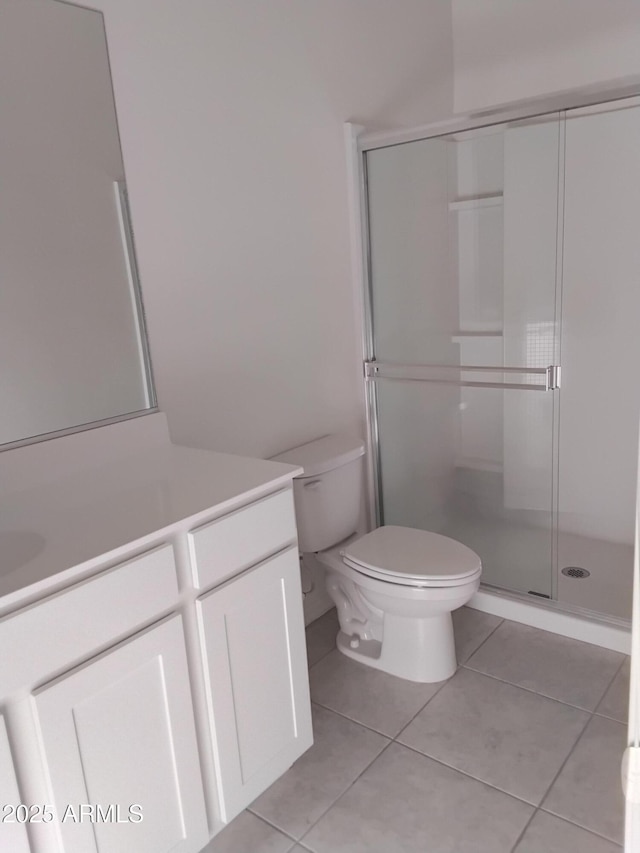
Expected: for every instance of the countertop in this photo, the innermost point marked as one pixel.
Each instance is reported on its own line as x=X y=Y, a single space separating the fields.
x=58 y=531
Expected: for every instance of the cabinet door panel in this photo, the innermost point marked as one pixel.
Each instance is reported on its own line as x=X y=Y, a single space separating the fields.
x=256 y=673
x=13 y=835
x=119 y=731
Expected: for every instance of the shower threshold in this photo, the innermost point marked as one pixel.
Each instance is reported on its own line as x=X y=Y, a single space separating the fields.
x=558 y=617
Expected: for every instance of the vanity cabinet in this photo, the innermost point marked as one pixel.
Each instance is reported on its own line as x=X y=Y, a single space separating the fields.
x=256 y=678
x=118 y=734
x=13 y=832
x=156 y=687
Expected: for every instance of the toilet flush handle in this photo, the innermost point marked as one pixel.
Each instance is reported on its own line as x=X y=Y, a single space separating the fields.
x=312 y=484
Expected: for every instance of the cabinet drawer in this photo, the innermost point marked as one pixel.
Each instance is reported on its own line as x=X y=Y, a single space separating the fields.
x=71 y=625
x=236 y=541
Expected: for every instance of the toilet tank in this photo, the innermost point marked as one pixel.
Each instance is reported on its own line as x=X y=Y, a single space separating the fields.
x=328 y=495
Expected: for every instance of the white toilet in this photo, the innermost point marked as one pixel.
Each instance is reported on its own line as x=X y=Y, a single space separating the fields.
x=394 y=588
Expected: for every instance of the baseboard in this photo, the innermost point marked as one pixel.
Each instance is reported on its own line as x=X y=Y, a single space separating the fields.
x=607 y=634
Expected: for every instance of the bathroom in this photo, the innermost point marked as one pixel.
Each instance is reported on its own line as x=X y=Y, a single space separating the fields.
x=232 y=120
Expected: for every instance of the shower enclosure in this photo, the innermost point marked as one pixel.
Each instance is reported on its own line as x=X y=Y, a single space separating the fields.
x=502 y=311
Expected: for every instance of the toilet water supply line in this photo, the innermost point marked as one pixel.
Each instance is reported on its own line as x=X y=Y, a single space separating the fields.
x=631 y=758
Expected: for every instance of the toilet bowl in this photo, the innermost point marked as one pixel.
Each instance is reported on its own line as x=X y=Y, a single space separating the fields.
x=395 y=587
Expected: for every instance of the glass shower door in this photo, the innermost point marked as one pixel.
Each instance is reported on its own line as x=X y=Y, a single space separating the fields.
x=463 y=236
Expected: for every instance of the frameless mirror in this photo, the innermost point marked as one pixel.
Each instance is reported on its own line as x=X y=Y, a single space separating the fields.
x=73 y=348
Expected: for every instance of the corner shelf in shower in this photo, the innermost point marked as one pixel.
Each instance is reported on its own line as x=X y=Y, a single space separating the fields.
x=463 y=335
x=476 y=202
x=478 y=333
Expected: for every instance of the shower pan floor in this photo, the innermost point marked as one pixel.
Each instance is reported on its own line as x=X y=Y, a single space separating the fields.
x=607 y=590
x=517 y=557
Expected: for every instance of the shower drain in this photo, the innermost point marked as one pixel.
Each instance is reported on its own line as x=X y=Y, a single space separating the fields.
x=575 y=572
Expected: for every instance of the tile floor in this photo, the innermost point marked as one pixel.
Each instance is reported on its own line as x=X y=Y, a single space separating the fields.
x=519 y=752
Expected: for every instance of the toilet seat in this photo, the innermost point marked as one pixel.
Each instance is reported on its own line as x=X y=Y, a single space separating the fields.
x=411 y=557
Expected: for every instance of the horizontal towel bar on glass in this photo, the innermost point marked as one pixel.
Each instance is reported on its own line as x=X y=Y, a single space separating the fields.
x=441 y=373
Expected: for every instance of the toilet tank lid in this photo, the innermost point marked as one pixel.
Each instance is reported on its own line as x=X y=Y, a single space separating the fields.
x=323 y=454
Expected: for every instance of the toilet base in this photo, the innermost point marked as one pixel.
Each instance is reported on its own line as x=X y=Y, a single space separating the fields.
x=418 y=649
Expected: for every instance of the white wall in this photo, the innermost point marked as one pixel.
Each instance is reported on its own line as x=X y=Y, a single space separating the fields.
x=231 y=115
x=506 y=50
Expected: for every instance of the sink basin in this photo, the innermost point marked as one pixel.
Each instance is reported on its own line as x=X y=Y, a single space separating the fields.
x=17 y=548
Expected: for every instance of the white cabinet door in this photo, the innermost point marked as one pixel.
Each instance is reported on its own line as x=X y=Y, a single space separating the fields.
x=13 y=833
x=118 y=733
x=257 y=679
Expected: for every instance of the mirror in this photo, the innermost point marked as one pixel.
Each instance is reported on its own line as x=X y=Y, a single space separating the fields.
x=73 y=348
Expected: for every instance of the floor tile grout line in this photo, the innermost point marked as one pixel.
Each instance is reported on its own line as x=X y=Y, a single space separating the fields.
x=540 y=810
x=562 y=766
x=352 y=720
x=468 y=775
x=553 y=634
x=590 y=715
x=524 y=829
x=488 y=637
x=604 y=716
x=579 y=826
x=271 y=824
x=342 y=793
x=301 y=846
x=530 y=690
x=394 y=739
x=316 y=662
x=377 y=731
x=608 y=688
x=536 y=808
x=443 y=684
x=466 y=665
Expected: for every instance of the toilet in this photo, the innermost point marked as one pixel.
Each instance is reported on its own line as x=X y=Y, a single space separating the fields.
x=394 y=588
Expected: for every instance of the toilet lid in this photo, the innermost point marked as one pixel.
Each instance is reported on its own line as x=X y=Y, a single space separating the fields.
x=412 y=555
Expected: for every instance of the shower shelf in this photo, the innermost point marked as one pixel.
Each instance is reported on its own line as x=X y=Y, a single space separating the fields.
x=476 y=333
x=476 y=202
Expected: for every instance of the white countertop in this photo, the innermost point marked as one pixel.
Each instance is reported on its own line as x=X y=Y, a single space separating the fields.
x=53 y=532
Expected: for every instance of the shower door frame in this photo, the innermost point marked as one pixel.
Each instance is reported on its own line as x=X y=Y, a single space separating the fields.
x=358 y=144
